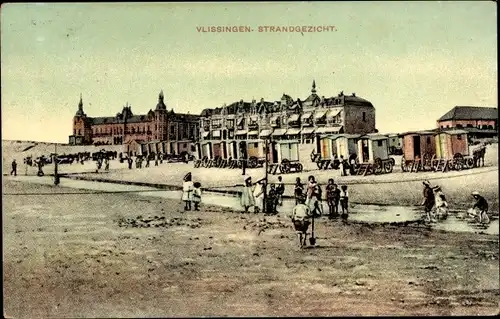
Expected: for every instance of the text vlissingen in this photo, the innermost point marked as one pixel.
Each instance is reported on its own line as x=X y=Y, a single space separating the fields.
x=267 y=28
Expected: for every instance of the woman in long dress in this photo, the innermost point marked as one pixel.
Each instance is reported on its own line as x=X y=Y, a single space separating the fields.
x=247 y=197
x=312 y=193
x=258 y=193
x=187 y=189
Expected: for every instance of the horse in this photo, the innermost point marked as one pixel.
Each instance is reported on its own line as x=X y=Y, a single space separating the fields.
x=478 y=156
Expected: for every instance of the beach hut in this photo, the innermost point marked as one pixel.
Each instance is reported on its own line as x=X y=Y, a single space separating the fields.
x=395 y=144
x=288 y=156
x=346 y=145
x=206 y=150
x=452 y=150
x=419 y=151
x=373 y=154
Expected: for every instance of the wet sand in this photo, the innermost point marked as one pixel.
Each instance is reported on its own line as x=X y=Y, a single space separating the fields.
x=79 y=256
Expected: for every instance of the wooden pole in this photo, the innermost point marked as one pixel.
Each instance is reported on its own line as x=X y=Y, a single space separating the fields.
x=56 y=177
x=266 y=150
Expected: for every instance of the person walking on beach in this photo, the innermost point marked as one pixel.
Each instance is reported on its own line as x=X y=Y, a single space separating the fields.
x=313 y=191
x=130 y=162
x=332 y=198
x=147 y=160
x=247 y=199
x=342 y=166
x=344 y=202
x=280 y=190
x=14 y=168
x=197 y=195
x=441 y=203
x=40 y=168
x=258 y=194
x=300 y=217
x=352 y=166
x=428 y=202
x=106 y=164
x=272 y=201
x=299 y=190
x=187 y=189
x=480 y=208
x=156 y=159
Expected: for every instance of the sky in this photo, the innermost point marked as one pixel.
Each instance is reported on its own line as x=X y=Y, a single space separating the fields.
x=413 y=60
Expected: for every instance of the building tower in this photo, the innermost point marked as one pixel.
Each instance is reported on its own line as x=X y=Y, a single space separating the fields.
x=160 y=131
x=82 y=132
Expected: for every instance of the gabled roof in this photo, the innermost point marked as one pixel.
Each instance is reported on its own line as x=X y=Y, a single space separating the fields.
x=470 y=113
x=103 y=120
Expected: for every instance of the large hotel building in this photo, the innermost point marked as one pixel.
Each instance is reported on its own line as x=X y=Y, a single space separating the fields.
x=158 y=131
x=226 y=130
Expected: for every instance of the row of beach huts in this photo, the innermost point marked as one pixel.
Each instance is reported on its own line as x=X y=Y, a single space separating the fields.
x=370 y=153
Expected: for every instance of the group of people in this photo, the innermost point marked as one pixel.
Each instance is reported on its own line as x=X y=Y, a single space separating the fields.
x=253 y=195
x=191 y=193
x=436 y=205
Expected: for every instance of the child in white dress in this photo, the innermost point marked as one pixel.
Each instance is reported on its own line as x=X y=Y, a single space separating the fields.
x=187 y=190
x=196 y=195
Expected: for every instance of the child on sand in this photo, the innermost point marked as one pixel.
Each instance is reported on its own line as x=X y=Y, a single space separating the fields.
x=196 y=195
x=187 y=189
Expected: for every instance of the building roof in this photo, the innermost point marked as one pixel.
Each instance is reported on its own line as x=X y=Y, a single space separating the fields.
x=452 y=132
x=374 y=136
x=426 y=132
x=470 y=113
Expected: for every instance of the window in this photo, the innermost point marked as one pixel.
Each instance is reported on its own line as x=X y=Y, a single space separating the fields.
x=133 y=130
x=74 y=132
x=364 y=116
x=216 y=123
x=459 y=136
x=193 y=148
x=79 y=132
x=379 y=142
x=470 y=125
x=255 y=144
x=230 y=123
x=428 y=139
x=184 y=145
x=459 y=126
x=490 y=127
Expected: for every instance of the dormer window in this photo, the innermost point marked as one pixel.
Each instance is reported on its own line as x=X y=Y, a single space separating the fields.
x=275 y=121
x=241 y=123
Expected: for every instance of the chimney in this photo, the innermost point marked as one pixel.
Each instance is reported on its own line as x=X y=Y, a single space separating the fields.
x=353 y=94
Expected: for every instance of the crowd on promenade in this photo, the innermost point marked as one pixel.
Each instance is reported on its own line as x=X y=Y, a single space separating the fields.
x=102 y=160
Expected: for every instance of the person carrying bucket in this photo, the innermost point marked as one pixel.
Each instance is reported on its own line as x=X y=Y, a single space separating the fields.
x=300 y=217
